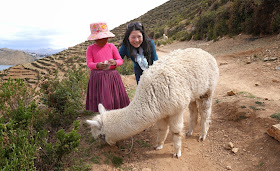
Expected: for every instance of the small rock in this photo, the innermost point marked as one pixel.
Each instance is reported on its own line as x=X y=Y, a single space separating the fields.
x=274 y=131
x=146 y=169
x=273 y=59
x=275 y=81
x=265 y=59
x=223 y=63
x=228 y=167
x=235 y=150
x=231 y=93
x=230 y=144
x=277 y=68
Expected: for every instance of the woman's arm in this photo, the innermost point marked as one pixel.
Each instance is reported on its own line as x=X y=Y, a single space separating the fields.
x=154 y=51
x=123 y=51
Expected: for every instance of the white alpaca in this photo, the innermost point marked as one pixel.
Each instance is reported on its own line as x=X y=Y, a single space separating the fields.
x=185 y=78
x=164 y=37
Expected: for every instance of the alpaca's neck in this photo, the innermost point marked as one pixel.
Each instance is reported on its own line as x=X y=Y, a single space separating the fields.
x=124 y=123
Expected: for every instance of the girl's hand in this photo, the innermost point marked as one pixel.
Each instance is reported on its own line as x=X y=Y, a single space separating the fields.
x=103 y=65
x=112 y=62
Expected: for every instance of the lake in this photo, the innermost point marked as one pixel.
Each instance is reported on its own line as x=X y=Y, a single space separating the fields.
x=2 y=67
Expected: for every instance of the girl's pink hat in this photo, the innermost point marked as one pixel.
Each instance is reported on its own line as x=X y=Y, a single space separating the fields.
x=99 y=31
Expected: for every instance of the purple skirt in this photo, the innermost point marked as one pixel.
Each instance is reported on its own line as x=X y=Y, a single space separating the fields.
x=106 y=87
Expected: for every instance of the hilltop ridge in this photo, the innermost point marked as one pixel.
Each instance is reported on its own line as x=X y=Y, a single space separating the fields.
x=14 y=57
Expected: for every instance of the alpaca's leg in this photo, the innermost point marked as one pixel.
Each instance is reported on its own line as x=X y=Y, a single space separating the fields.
x=205 y=107
x=176 y=123
x=193 y=117
x=163 y=130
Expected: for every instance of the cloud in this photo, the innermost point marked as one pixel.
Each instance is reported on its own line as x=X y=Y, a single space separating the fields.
x=61 y=24
x=29 y=38
x=25 y=44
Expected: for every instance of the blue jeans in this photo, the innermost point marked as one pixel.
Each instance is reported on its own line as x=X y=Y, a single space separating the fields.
x=138 y=72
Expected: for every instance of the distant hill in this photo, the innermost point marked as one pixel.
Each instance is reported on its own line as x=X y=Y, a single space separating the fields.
x=14 y=57
x=45 y=52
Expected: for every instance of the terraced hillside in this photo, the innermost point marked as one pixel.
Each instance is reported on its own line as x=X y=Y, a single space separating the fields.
x=179 y=20
x=57 y=64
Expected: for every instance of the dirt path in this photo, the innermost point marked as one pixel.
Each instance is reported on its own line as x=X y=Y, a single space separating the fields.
x=242 y=118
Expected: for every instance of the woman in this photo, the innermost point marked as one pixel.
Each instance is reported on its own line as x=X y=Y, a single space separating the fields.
x=139 y=48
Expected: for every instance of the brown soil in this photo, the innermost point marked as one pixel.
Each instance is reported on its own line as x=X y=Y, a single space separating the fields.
x=241 y=117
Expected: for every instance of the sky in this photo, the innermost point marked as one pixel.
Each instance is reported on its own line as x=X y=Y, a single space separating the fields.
x=56 y=24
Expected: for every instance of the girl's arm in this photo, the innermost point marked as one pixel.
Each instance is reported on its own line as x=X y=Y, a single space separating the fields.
x=90 y=62
x=117 y=56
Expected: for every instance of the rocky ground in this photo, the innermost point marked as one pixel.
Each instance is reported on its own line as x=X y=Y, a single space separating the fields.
x=248 y=93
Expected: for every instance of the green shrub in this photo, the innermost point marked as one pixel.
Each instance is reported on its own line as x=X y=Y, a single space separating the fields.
x=18 y=148
x=204 y=24
x=18 y=138
x=28 y=140
x=52 y=153
x=65 y=97
x=276 y=23
x=126 y=68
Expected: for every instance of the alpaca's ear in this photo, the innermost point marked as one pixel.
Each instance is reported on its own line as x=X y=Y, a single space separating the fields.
x=101 y=108
x=94 y=123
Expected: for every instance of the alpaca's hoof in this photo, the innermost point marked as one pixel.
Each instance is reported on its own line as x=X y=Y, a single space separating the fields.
x=178 y=154
x=189 y=133
x=158 y=147
x=202 y=138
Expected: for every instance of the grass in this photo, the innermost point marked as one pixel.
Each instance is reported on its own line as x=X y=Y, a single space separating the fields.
x=95 y=159
x=260 y=164
x=276 y=116
x=131 y=93
x=259 y=103
x=247 y=94
x=254 y=108
x=243 y=116
x=115 y=160
x=218 y=101
x=143 y=143
x=80 y=165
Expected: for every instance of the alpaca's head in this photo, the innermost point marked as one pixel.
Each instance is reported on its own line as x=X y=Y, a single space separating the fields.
x=96 y=124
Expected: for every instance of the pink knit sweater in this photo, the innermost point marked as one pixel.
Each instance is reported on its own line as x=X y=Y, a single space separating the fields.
x=96 y=54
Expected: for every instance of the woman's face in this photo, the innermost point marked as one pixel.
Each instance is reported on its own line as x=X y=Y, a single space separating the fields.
x=135 y=38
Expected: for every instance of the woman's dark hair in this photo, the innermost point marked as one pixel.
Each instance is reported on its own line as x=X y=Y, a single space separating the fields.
x=145 y=44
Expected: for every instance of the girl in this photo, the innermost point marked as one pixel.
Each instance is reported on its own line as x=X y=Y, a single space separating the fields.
x=105 y=84
x=139 y=48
